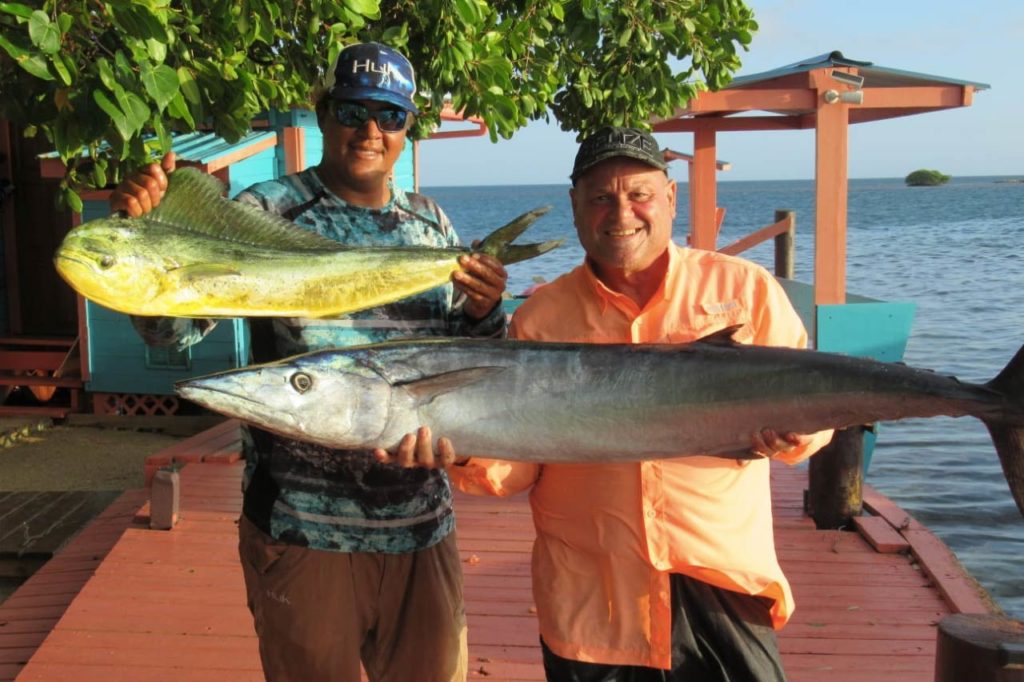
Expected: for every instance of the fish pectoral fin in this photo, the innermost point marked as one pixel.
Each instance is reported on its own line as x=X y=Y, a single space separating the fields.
x=190 y=273
x=425 y=390
x=723 y=336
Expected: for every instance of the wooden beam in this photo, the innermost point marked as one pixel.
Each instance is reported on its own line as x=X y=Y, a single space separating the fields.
x=830 y=169
x=916 y=97
x=733 y=123
x=703 y=192
x=294 y=147
x=751 y=99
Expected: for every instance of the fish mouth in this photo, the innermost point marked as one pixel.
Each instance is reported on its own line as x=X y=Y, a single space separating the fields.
x=196 y=392
x=240 y=406
x=82 y=261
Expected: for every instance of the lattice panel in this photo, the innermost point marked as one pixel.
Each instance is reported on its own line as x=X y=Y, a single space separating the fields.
x=134 y=405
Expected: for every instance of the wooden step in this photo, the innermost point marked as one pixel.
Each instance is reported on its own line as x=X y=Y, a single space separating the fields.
x=42 y=365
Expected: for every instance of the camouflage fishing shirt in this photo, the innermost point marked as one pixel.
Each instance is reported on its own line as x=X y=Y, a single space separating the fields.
x=314 y=496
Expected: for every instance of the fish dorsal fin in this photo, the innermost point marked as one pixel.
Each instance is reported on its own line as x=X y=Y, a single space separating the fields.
x=722 y=337
x=194 y=203
x=426 y=389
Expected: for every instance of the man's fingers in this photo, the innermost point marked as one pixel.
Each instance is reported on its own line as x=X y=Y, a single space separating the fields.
x=445 y=452
x=169 y=162
x=424 y=448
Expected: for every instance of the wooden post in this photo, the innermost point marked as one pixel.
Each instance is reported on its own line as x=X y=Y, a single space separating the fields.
x=830 y=193
x=785 y=246
x=835 y=480
x=979 y=646
x=703 y=191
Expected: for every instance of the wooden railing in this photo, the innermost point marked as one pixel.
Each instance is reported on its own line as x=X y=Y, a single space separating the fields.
x=783 y=230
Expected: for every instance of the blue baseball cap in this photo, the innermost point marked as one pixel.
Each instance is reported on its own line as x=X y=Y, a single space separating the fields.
x=372 y=71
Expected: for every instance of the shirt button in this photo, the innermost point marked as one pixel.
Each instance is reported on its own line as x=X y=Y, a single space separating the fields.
x=650 y=513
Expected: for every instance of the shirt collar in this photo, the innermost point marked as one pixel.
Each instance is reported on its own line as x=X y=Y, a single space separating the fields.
x=606 y=296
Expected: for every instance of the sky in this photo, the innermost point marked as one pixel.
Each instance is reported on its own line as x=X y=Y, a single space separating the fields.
x=973 y=41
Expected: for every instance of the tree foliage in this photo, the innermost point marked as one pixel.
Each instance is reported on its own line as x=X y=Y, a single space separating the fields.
x=108 y=81
x=926 y=178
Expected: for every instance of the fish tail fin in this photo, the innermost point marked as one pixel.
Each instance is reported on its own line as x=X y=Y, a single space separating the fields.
x=1008 y=434
x=499 y=242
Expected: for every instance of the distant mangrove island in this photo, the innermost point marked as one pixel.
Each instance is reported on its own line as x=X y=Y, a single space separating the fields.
x=926 y=178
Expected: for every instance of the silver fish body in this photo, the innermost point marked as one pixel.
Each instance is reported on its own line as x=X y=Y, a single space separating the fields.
x=581 y=402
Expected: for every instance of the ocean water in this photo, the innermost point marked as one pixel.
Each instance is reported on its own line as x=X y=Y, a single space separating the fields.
x=955 y=251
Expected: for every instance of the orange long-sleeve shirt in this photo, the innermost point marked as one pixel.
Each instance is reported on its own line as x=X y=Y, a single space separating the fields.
x=609 y=535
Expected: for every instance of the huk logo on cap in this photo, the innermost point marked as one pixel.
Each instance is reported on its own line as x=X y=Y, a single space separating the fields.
x=370 y=67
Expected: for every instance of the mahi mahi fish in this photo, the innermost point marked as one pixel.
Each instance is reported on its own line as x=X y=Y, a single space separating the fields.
x=200 y=255
x=553 y=402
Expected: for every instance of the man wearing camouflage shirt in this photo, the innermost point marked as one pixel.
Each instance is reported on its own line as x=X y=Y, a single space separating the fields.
x=347 y=559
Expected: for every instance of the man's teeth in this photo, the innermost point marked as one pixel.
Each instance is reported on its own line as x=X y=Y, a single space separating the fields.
x=622 y=233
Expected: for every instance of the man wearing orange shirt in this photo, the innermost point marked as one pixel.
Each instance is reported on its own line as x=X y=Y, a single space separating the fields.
x=658 y=570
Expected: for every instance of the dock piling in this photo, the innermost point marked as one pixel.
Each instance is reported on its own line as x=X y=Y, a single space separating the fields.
x=979 y=646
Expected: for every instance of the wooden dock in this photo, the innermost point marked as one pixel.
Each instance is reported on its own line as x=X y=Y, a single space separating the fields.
x=122 y=602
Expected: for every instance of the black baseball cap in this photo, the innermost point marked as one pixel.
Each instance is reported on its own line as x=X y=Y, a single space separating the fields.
x=375 y=72
x=611 y=141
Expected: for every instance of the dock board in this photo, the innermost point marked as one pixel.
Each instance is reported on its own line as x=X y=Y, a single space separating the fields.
x=171 y=605
x=35 y=525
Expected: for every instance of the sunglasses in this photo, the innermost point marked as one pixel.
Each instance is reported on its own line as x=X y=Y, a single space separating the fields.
x=354 y=115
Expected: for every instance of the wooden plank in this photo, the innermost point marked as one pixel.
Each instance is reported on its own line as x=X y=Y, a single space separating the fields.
x=7 y=379
x=882 y=506
x=959 y=590
x=22 y=360
x=37 y=524
x=880 y=534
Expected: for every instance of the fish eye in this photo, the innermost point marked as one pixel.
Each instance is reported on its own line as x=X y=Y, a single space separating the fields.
x=107 y=262
x=301 y=382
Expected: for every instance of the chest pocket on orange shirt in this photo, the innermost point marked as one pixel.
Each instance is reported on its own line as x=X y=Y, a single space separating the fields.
x=709 y=317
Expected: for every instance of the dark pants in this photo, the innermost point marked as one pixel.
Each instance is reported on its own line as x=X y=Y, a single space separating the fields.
x=318 y=614
x=717 y=636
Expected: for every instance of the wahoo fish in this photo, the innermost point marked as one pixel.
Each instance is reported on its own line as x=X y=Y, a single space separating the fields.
x=550 y=402
x=200 y=255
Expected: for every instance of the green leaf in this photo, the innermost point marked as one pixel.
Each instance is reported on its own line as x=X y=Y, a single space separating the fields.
x=106 y=73
x=162 y=135
x=179 y=109
x=161 y=83
x=17 y=9
x=99 y=174
x=366 y=8
x=188 y=84
x=135 y=110
x=157 y=50
x=117 y=117
x=37 y=66
x=138 y=21
x=468 y=11
x=16 y=53
x=44 y=33
x=73 y=201
x=61 y=69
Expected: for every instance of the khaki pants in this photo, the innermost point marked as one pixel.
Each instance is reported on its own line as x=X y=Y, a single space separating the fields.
x=318 y=614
